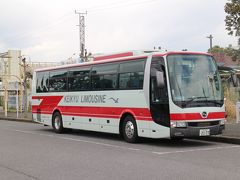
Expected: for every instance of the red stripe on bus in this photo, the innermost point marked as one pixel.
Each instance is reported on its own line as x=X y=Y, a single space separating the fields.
x=112 y=56
x=196 y=116
x=95 y=110
x=106 y=112
x=49 y=100
x=138 y=118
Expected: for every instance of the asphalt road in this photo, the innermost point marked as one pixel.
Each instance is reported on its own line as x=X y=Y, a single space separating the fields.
x=31 y=151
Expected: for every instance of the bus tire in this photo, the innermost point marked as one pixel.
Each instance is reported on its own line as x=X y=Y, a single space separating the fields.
x=129 y=129
x=57 y=123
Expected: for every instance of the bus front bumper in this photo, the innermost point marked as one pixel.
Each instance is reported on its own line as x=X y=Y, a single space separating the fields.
x=197 y=131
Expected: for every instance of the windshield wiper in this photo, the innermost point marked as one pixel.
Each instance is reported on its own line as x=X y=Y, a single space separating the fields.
x=196 y=97
x=217 y=102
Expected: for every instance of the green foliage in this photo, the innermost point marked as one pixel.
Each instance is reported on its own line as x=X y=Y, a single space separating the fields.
x=232 y=19
x=233 y=53
x=216 y=49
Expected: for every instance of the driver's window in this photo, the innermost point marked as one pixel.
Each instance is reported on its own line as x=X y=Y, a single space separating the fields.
x=158 y=95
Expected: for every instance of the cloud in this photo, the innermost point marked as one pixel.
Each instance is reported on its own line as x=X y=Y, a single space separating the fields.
x=222 y=38
x=47 y=31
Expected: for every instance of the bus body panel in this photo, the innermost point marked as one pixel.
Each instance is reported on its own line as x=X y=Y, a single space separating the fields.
x=78 y=112
x=194 y=116
x=102 y=110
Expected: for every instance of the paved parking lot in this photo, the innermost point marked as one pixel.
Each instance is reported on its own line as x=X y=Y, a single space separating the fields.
x=32 y=151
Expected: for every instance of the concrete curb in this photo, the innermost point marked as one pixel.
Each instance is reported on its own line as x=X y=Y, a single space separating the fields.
x=221 y=138
x=17 y=119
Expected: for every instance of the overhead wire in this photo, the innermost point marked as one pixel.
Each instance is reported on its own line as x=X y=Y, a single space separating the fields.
x=42 y=29
x=66 y=16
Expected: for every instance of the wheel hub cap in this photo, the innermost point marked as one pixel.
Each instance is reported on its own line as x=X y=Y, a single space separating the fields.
x=57 y=122
x=129 y=129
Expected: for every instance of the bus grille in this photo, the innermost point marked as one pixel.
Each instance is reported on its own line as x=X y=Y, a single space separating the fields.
x=203 y=124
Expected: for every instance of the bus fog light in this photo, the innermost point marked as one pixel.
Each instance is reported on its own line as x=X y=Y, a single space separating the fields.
x=178 y=124
x=181 y=124
x=173 y=124
x=222 y=122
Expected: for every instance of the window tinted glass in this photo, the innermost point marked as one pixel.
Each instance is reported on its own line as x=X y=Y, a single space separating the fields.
x=105 y=69
x=79 y=79
x=131 y=80
x=58 y=81
x=42 y=82
x=109 y=81
x=134 y=66
x=131 y=75
x=158 y=95
x=104 y=77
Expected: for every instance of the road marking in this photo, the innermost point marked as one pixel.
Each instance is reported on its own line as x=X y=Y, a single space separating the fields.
x=125 y=148
x=193 y=150
x=77 y=140
x=19 y=172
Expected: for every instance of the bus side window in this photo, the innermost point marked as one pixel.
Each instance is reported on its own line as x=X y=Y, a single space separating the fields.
x=42 y=82
x=79 y=79
x=131 y=75
x=158 y=95
x=104 y=76
x=58 y=81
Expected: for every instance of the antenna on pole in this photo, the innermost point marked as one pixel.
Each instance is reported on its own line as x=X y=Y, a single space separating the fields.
x=81 y=33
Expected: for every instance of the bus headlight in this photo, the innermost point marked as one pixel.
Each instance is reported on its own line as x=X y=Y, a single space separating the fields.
x=178 y=124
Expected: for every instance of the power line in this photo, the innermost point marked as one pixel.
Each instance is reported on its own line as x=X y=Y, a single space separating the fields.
x=42 y=29
x=93 y=10
x=61 y=19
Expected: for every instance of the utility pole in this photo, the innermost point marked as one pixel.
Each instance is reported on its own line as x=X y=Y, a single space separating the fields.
x=81 y=33
x=210 y=38
x=5 y=89
x=25 y=86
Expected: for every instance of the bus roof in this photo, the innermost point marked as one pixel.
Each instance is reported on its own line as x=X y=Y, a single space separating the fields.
x=123 y=56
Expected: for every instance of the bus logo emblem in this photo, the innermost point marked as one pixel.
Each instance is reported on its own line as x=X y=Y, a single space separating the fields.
x=114 y=100
x=204 y=114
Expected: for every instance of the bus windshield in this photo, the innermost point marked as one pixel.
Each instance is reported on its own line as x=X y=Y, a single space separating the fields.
x=194 y=81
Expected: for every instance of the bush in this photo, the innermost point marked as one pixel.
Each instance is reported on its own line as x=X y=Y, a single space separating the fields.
x=231 y=95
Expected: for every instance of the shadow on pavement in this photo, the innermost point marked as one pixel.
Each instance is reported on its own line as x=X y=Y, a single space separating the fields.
x=101 y=136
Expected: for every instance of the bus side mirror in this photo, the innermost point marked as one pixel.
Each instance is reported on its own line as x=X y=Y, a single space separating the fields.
x=160 y=79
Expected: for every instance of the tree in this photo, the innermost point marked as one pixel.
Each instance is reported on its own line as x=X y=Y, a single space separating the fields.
x=233 y=53
x=232 y=19
x=216 y=49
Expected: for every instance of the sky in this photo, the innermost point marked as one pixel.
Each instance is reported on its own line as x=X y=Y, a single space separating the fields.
x=47 y=31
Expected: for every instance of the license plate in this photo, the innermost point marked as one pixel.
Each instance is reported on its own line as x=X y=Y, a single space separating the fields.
x=204 y=132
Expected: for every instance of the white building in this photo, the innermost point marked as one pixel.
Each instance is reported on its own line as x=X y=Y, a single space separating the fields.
x=10 y=66
x=12 y=75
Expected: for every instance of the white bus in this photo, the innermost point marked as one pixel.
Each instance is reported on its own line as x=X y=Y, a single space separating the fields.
x=149 y=94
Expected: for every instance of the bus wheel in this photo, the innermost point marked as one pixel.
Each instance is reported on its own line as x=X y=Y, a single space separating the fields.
x=57 y=123
x=129 y=129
